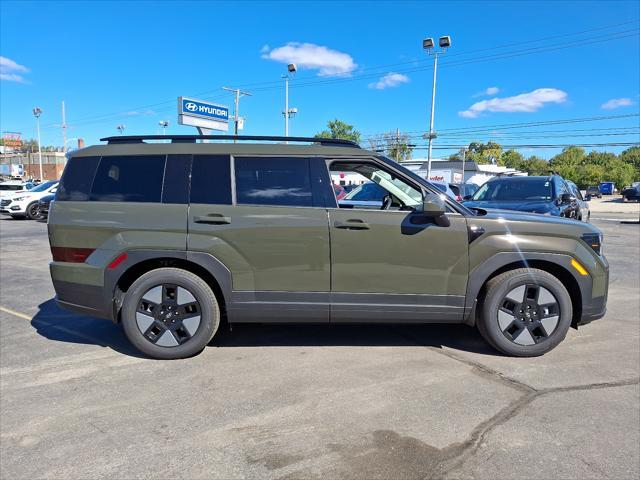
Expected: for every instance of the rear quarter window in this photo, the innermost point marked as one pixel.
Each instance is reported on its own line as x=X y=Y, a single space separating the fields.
x=77 y=178
x=135 y=178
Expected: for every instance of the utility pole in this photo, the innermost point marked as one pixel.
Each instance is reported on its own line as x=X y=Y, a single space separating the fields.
x=238 y=93
x=64 y=130
x=463 y=155
x=398 y=145
x=36 y=113
x=427 y=44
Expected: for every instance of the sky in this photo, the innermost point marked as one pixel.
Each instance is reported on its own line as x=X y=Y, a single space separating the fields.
x=361 y=62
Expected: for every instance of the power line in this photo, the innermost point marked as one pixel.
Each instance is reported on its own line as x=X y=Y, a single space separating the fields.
x=270 y=85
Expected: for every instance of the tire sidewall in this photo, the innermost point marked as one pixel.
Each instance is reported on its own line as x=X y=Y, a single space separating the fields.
x=209 y=319
x=33 y=205
x=490 y=314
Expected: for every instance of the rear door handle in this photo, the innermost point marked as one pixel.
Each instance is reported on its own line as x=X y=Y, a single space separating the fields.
x=213 y=219
x=352 y=224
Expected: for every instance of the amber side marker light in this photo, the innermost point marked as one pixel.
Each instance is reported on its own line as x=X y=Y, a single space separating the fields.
x=581 y=270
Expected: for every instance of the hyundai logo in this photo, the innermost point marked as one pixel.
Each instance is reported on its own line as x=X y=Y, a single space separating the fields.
x=192 y=107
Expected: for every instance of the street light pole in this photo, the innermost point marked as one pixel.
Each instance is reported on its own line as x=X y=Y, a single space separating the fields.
x=37 y=112
x=164 y=124
x=427 y=44
x=433 y=109
x=288 y=112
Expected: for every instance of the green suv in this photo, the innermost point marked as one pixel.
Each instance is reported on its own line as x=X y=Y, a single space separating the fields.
x=169 y=238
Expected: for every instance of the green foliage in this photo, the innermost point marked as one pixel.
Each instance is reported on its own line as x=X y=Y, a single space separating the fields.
x=394 y=144
x=573 y=163
x=513 y=159
x=339 y=129
x=484 y=153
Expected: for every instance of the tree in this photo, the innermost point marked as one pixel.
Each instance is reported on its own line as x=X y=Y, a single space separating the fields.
x=513 y=159
x=339 y=129
x=632 y=156
x=484 y=153
x=394 y=144
x=536 y=166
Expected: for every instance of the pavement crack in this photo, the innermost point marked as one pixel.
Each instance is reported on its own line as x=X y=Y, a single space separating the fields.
x=468 y=448
x=477 y=366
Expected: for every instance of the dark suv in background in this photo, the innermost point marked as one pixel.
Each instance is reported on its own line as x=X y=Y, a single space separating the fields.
x=549 y=195
x=169 y=239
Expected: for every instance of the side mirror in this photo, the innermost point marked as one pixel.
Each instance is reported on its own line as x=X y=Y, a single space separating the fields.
x=567 y=198
x=467 y=197
x=587 y=198
x=433 y=205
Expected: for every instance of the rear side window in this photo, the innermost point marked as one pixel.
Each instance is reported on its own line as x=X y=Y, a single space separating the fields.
x=135 y=178
x=75 y=184
x=273 y=181
x=211 y=179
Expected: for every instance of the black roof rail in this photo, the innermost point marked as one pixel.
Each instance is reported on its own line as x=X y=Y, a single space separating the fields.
x=334 y=142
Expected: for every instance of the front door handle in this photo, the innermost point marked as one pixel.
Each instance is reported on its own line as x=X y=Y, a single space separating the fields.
x=352 y=224
x=213 y=219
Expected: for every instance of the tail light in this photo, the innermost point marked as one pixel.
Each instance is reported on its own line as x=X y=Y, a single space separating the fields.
x=71 y=254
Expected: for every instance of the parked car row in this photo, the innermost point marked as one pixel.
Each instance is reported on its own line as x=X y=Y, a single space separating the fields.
x=631 y=193
x=24 y=202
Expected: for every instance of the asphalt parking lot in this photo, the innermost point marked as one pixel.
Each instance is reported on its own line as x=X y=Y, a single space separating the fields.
x=354 y=402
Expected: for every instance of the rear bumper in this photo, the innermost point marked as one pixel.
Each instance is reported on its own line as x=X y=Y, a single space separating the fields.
x=83 y=299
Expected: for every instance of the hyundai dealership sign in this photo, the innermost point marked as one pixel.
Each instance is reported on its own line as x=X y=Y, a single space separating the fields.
x=202 y=114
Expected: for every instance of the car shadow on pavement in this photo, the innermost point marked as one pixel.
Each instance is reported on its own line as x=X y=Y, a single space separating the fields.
x=56 y=324
x=59 y=325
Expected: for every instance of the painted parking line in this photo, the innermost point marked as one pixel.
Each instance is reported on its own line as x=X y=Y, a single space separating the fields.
x=24 y=316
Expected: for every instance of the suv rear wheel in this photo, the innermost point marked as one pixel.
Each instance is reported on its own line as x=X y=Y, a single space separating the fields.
x=525 y=313
x=170 y=313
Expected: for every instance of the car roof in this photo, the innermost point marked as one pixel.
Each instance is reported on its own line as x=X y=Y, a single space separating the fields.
x=187 y=144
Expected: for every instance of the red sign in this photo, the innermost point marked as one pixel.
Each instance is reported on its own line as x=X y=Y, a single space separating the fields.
x=12 y=139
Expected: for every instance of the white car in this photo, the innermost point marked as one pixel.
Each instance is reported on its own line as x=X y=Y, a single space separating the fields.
x=25 y=203
x=8 y=188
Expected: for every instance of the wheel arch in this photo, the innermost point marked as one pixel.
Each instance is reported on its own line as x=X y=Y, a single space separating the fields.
x=207 y=267
x=555 y=264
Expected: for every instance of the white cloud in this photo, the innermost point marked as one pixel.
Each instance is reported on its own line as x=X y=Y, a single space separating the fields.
x=525 y=102
x=488 y=91
x=310 y=56
x=617 y=103
x=389 y=80
x=11 y=71
x=265 y=48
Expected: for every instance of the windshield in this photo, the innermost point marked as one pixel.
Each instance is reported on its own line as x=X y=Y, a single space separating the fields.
x=43 y=186
x=514 y=189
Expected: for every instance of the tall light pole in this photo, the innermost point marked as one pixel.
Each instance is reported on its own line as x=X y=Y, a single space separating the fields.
x=36 y=113
x=236 y=112
x=121 y=128
x=64 y=129
x=428 y=45
x=288 y=112
x=164 y=124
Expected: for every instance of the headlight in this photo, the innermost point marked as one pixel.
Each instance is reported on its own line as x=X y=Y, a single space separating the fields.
x=19 y=199
x=594 y=240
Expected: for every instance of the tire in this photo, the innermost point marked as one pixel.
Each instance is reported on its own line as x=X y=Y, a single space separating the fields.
x=32 y=211
x=513 y=322
x=153 y=319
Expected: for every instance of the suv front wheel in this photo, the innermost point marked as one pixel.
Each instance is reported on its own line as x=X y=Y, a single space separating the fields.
x=170 y=313
x=525 y=313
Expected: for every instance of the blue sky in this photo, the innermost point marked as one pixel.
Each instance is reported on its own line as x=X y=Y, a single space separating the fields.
x=362 y=62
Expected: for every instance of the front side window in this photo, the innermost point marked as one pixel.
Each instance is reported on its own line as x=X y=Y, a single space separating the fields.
x=277 y=181
x=136 y=178
x=373 y=187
